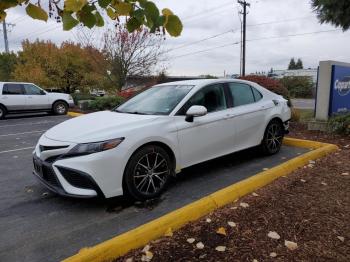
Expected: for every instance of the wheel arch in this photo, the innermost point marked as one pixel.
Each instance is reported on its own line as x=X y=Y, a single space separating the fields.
x=2 y=105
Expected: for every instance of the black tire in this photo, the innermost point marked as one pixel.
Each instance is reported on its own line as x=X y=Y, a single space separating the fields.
x=273 y=137
x=140 y=181
x=2 y=112
x=60 y=108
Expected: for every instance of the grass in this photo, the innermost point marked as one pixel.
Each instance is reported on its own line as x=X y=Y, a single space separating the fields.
x=306 y=114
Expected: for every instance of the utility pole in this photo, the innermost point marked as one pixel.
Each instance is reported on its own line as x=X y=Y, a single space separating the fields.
x=244 y=4
x=4 y=27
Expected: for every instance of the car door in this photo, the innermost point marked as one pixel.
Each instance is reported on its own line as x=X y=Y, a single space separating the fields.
x=13 y=97
x=36 y=98
x=206 y=137
x=247 y=116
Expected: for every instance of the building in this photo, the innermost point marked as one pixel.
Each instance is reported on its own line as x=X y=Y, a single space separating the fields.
x=297 y=72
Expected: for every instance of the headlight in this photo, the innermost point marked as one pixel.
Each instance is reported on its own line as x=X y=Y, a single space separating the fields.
x=90 y=148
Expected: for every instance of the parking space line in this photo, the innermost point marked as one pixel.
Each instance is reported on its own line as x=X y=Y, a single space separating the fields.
x=26 y=124
x=18 y=149
x=23 y=133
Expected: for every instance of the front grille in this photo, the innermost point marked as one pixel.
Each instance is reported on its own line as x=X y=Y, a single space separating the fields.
x=52 y=159
x=47 y=148
x=76 y=179
x=50 y=177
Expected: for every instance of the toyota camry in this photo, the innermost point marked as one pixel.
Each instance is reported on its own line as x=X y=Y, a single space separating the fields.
x=135 y=148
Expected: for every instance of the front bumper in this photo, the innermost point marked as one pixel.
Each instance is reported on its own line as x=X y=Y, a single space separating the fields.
x=64 y=181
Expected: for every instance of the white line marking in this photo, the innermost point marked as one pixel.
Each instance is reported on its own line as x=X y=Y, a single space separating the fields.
x=31 y=132
x=27 y=124
x=19 y=149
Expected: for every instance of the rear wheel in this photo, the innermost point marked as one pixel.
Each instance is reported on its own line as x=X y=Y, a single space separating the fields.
x=147 y=173
x=2 y=112
x=60 y=108
x=273 y=138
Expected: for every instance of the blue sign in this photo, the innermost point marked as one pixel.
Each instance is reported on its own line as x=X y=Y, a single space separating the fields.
x=340 y=90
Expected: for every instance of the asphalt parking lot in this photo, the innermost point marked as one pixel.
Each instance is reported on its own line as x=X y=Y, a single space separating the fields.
x=37 y=225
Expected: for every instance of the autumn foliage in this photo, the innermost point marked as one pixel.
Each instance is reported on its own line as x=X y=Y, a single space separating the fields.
x=269 y=83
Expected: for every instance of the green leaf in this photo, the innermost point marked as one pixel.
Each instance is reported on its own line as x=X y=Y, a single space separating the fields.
x=87 y=18
x=5 y=4
x=99 y=20
x=110 y=12
x=104 y=3
x=139 y=14
x=74 y=5
x=151 y=11
x=167 y=11
x=2 y=15
x=174 y=25
x=123 y=8
x=68 y=21
x=36 y=12
x=132 y=24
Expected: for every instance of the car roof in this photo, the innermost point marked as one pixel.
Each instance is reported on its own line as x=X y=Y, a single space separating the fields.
x=15 y=83
x=203 y=82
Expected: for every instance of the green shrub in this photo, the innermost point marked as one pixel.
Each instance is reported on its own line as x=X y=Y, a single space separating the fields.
x=78 y=97
x=298 y=86
x=340 y=124
x=105 y=103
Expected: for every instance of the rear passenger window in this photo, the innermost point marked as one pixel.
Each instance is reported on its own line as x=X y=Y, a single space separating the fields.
x=242 y=94
x=12 y=89
x=257 y=95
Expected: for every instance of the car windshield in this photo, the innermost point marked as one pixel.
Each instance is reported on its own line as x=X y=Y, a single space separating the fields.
x=158 y=100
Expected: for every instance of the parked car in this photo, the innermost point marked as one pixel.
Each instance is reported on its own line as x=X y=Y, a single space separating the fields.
x=135 y=148
x=97 y=92
x=18 y=97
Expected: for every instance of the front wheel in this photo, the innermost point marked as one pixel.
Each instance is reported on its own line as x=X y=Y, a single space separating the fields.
x=60 y=108
x=2 y=112
x=147 y=173
x=273 y=137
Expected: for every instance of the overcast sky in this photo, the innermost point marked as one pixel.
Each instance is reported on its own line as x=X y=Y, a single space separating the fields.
x=272 y=20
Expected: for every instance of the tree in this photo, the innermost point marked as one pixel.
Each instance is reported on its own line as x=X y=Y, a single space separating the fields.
x=334 y=12
x=67 y=67
x=298 y=86
x=137 y=13
x=131 y=54
x=292 y=64
x=7 y=64
x=299 y=64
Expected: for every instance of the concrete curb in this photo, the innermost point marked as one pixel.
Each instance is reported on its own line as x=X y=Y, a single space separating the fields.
x=74 y=114
x=140 y=236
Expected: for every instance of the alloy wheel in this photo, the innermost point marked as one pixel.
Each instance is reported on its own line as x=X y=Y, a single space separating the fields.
x=60 y=108
x=274 y=137
x=150 y=173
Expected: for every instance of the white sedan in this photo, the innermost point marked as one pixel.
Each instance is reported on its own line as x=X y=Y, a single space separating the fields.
x=135 y=148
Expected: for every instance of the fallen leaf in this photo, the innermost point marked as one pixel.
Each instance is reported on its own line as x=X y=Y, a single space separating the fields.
x=221 y=231
x=233 y=208
x=191 y=240
x=312 y=162
x=29 y=190
x=208 y=220
x=265 y=169
x=130 y=259
x=302 y=180
x=255 y=260
x=341 y=238
x=345 y=174
x=310 y=165
x=273 y=254
x=290 y=245
x=169 y=233
x=273 y=235
x=324 y=183
x=200 y=245
x=244 y=205
x=202 y=256
x=283 y=157
x=255 y=194
x=147 y=257
x=347 y=146
x=220 y=248
x=146 y=248
x=231 y=224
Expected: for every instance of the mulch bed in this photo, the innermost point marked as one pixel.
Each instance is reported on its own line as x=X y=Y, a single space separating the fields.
x=310 y=207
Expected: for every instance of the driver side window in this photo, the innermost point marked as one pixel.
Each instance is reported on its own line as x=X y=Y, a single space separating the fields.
x=211 y=97
x=31 y=90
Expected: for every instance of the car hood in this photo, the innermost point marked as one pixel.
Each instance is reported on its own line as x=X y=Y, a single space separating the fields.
x=98 y=126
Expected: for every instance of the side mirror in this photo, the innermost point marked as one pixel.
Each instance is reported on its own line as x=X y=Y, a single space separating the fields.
x=42 y=92
x=195 y=111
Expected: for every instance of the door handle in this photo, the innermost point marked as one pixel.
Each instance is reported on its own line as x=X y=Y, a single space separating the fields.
x=30 y=97
x=228 y=116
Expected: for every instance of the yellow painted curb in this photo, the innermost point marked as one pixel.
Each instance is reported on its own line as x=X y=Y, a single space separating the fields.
x=140 y=236
x=74 y=114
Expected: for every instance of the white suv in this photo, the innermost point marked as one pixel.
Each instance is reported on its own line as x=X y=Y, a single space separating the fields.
x=18 y=97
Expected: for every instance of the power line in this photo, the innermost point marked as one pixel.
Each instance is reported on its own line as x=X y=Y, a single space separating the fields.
x=204 y=12
x=279 y=21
